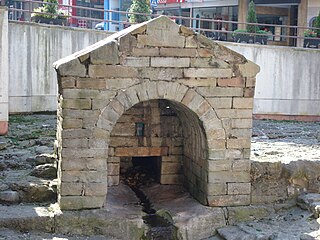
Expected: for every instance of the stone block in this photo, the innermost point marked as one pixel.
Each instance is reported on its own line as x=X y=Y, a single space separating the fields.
x=76 y=103
x=241 y=165
x=186 y=31
x=208 y=63
x=136 y=61
x=95 y=189
x=113 y=159
x=79 y=153
x=188 y=97
x=216 y=133
x=238 y=143
x=181 y=91
x=219 y=165
x=234 y=113
x=248 y=92
x=248 y=213
x=68 y=82
x=250 y=82
x=76 y=133
x=191 y=42
x=75 y=143
x=223 y=102
x=83 y=164
x=207 y=73
x=124 y=141
x=229 y=200
x=124 y=129
x=145 y=52
x=71 y=189
x=141 y=151
x=177 y=52
x=170 y=62
x=242 y=123
x=234 y=154
x=162 y=32
x=81 y=202
x=80 y=93
x=216 y=154
x=71 y=123
x=91 y=83
x=69 y=113
x=71 y=67
x=113 y=169
x=84 y=176
x=127 y=43
x=239 y=188
x=171 y=168
x=242 y=103
x=220 y=91
x=228 y=176
x=231 y=82
x=161 y=73
x=171 y=179
x=249 y=69
x=113 y=180
x=111 y=71
x=219 y=144
x=198 y=82
x=203 y=108
x=106 y=54
x=215 y=189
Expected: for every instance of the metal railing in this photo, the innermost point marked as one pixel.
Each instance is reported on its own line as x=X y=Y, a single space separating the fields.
x=89 y=17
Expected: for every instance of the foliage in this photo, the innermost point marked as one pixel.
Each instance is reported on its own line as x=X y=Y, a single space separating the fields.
x=239 y=32
x=317 y=24
x=49 y=10
x=252 y=18
x=139 y=6
x=310 y=33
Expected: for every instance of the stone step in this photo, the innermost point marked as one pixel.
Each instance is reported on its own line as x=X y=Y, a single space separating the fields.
x=236 y=233
x=310 y=202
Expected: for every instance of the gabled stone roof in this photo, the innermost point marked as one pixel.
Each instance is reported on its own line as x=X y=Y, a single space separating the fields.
x=158 y=32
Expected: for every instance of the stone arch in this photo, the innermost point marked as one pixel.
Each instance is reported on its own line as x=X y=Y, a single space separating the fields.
x=204 y=132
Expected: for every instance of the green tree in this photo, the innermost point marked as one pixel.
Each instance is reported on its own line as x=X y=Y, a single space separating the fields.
x=139 y=6
x=317 y=24
x=252 y=18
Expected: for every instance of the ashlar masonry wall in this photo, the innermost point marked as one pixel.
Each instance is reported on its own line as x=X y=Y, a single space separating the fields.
x=208 y=88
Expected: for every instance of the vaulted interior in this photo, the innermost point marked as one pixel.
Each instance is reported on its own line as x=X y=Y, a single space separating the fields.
x=163 y=138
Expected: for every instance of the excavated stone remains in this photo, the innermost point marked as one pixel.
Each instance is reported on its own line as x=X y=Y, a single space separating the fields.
x=156 y=90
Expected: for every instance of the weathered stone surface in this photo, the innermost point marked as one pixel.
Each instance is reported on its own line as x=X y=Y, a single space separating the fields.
x=177 y=52
x=158 y=90
x=248 y=213
x=207 y=73
x=106 y=54
x=137 y=61
x=161 y=73
x=46 y=171
x=71 y=67
x=81 y=202
x=171 y=62
x=249 y=69
x=109 y=71
x=162 y=32
x=9 y=196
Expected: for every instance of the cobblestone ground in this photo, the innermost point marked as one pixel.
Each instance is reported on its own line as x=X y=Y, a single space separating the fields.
x=31 y=135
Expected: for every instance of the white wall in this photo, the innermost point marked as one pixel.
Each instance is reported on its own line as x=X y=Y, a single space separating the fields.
x=289 y=80
x=32 y=50
x=4 y=78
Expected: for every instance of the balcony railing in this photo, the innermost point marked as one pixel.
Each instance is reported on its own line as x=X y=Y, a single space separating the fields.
x=90 y=16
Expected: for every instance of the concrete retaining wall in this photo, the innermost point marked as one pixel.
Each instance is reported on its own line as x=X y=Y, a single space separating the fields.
x=288 y=83
x=3 y=70
x=289 y=80
x=32 y=50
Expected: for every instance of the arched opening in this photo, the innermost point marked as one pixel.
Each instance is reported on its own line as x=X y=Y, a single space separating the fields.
x=163 y=138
